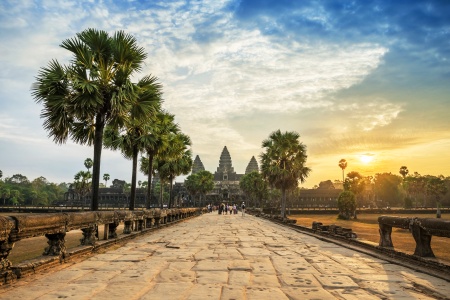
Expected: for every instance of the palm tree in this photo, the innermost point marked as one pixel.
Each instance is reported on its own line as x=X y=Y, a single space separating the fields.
x=175 y=161
x=80 y=99
x=283 y=163
x=88 y=163
x=134 y=125
x=404 y=171
x=106 y=177
x=156 y=140
x=343 y=165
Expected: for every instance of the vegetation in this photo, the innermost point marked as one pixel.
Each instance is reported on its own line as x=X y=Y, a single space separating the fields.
x=283 y=162
x=199 y=184
x=18 y=190
x=254 y=187
x=343 y=165
x=93 y=91
x=346 y=204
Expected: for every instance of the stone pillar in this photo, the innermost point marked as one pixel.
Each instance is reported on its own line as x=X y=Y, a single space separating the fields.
x=56 y=244
x=90 y=235
x=127 y=227
x=112 y=230
x=385 y=235
x=423 y=241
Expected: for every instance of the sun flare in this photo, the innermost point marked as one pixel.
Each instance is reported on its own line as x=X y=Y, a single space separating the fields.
x=366 y=158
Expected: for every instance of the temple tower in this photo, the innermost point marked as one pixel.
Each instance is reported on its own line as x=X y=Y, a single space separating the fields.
x=252 y=166
x=197 y=166
x=225 y=170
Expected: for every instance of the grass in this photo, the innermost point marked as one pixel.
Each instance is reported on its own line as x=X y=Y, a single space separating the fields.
x=366 y=227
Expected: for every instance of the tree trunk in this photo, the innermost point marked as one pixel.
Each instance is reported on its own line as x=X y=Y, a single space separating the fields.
x=161 y=192
x=133 y=179
x=283 y=203
x=170 y=192
x=149 y=179
x=98 y=144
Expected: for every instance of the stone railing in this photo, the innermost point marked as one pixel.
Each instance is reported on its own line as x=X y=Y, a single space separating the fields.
x=422 y=230
x=334 y=230
x=54 y=227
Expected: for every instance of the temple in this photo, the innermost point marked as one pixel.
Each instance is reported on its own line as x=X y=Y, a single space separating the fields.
x=226 y=180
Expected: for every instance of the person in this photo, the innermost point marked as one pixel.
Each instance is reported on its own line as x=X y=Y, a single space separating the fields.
x=243 y=208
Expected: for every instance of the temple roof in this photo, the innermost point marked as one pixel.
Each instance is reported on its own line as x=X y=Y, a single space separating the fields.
x=197 y=166
x=225 y=164
x=252 y=166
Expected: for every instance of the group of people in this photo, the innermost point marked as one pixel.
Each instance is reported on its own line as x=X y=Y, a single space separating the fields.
x=226 y=208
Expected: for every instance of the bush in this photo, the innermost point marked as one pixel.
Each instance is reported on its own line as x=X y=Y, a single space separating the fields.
x=346 y=205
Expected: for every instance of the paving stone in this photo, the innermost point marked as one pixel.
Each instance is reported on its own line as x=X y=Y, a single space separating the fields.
x=205 y=291
x=262 y=293
x=353 y=294
x=239 y=278
x=336 y=281
x=264 y=280
x=299 y=280
x=232 y=292
x=172 y=275
x=168 y=291
x=212 y=277
x=303 y=293
x=262 y=265
x=214 y=265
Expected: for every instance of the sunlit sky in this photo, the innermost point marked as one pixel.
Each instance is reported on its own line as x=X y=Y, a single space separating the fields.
x=367 y=81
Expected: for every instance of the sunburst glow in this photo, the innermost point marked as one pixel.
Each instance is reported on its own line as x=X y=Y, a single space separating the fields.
x=366 y=158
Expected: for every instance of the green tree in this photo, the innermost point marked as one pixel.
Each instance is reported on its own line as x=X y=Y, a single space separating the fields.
x=283 y=162
x=156 y=140
x=82 y=185
x=176 y=160
x=88 y=163
x=134 y=125
x=199 y=183
x=254 y=186
x=80 y=99
x=387 y=188
x=346 y=204
x=343 y=165
x=6 y=194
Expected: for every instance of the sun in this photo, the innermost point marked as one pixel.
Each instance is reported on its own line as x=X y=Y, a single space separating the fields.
x=366 y=158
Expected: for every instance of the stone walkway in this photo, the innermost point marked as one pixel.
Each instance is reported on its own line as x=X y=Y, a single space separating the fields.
x=230 y=257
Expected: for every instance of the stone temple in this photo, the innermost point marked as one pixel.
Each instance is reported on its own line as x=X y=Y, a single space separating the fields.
x=226 y=180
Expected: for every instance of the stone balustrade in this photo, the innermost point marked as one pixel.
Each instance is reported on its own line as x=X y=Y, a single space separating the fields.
x=54 y=227
x=422 y=230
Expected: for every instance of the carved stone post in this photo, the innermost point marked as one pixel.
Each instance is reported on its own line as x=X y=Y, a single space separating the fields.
x=90 y=235
x=385 y=235
x=127 y=226
x=423 y=240
x=5 y=249
x=112 y=230
x=56 y=244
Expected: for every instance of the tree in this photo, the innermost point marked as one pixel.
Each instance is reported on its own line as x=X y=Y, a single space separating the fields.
x=254 y=186
x=387 y=188
x=437 y=188
x=175 y=161
x=88 y=163
x=127 y=137
x=82 y=184
x=346 y=204
x=80 y=99
x=283 y=162
x=155 y=141
x=106 y=177
x=404 y=171
x=343 y=165
x=199 y=183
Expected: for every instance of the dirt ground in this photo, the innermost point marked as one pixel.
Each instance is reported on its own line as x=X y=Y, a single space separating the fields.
x=366 y=227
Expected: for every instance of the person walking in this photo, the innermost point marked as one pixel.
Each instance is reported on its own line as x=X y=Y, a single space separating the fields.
x=243 y=208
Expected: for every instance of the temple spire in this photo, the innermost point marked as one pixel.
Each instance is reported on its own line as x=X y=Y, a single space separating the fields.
x=252 y=166
x=197 y=166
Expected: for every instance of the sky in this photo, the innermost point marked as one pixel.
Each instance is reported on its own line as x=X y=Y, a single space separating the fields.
x=367 y=81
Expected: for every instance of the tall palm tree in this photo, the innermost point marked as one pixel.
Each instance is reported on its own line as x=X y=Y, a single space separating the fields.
x=134 y=125
x=155 y=141
x=343 y=165
x=283 y=163
x=106 y=177
x=176 y=160
x=80 y=99
x=88 y=163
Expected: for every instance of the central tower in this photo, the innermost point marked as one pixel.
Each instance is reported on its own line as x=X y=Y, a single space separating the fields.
x=225 y=170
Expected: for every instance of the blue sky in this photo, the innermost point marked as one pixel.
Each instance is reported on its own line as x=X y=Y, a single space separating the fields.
x=354 y=78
